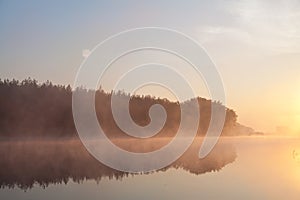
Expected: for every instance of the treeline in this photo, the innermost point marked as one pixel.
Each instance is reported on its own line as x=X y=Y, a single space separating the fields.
x=29 y=109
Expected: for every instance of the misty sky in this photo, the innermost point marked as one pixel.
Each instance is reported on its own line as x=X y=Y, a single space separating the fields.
x=255 y=45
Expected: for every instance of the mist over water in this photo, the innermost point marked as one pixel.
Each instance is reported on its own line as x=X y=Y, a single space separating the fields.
x=25 y=164
x=238 y=168
x=43 y=158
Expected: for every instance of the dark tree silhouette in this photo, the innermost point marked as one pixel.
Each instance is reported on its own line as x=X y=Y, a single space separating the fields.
x=32 y=110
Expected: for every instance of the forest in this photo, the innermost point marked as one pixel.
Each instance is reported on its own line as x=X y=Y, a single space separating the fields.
x=29 y=109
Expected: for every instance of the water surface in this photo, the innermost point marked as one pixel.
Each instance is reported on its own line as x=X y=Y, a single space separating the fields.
x=238 y=168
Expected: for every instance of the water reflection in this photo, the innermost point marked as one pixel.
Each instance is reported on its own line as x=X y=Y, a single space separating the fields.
x=26 y=163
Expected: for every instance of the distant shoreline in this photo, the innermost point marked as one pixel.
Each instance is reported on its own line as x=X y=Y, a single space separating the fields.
x=33 y=110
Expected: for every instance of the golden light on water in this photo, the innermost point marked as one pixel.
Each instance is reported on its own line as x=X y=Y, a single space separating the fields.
x=296 y=155
x=296 y=166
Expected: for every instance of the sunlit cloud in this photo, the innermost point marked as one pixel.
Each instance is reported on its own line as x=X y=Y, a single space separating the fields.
x=268 y=26
x=273 y=26
x=213 y=33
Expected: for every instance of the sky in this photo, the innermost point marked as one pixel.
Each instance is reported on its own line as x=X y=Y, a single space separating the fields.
x=254 y=44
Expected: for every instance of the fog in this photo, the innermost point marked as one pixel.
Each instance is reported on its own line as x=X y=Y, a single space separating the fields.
x=29 y=163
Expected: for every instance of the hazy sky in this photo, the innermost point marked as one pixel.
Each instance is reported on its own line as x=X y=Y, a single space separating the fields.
x=255 y=45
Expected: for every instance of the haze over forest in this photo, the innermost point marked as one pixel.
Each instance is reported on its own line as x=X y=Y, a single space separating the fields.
x=32 y=110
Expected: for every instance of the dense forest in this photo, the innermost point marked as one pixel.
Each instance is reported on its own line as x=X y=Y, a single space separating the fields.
x=29 y=109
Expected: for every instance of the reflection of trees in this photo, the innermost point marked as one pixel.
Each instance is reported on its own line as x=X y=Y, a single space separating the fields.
x=24 y=164
x=29 y=109
x=221 y=155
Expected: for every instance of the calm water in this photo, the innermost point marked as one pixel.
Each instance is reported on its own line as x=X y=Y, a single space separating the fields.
x=238 y=168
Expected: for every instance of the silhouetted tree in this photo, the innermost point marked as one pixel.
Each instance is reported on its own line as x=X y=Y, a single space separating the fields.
x=29 y=109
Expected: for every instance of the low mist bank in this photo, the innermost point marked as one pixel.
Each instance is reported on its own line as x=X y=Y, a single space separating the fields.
x=32 y=110
x=25 y=164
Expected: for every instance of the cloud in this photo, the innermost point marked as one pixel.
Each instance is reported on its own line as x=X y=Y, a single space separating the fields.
x=273 y=25
x=221 y=32
x=269 y=26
